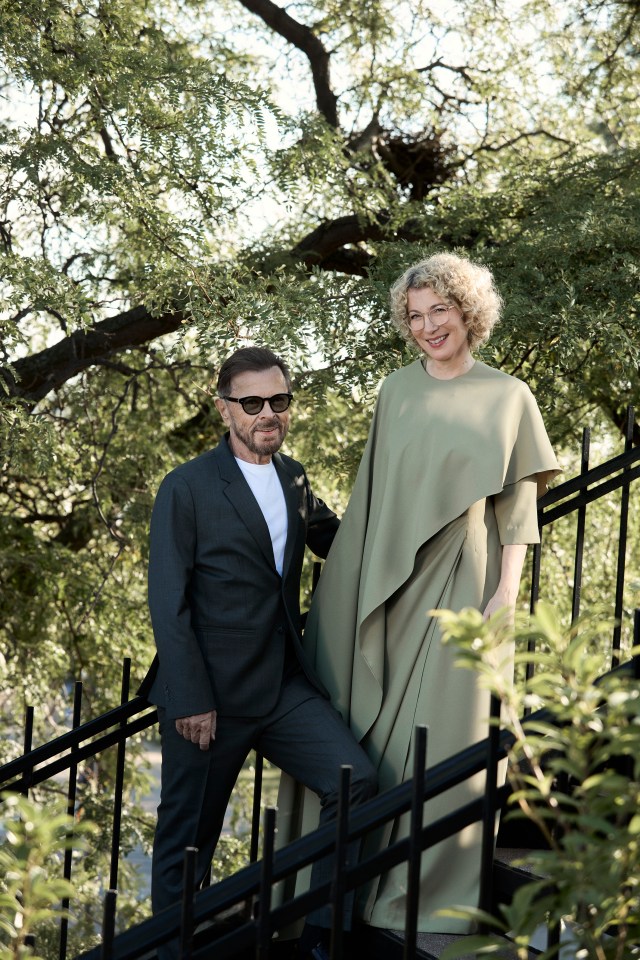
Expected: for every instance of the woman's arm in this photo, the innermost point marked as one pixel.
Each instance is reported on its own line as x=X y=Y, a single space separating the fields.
x=506 y=595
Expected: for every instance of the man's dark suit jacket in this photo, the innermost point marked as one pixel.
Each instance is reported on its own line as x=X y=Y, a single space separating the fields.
x=220 y=610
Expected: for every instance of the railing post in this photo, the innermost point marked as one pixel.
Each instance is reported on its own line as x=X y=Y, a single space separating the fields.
x=255 y=817
x=263 y=929
x=582 y=516
x=71 y=806
x=188 y=892
x=622 y=546
x=255 y=822
x=415 y=842
x=535 y=573
x=27 y=745
x=535 y=593
x=554 y=934
x=119 y=783
x=489 y=808
x=108 y=924
x=636 y=643
x=338 y=886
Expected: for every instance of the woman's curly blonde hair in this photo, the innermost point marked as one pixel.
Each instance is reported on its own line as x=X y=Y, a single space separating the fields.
x=457 y=280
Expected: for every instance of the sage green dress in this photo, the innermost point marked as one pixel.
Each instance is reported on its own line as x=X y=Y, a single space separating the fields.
x=450 y=474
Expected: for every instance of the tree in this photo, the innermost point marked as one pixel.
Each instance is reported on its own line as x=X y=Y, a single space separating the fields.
x=139 y=166
x=180 y=177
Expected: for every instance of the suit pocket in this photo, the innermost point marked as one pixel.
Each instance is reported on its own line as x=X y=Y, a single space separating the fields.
x=244 y=670
x=223 y=631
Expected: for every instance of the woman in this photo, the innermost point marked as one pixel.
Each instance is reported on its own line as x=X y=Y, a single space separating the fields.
x=440 y=516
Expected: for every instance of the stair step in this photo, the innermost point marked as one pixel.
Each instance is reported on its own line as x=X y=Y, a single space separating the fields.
x=389 y=945
x=378 y=944
x=510 y=855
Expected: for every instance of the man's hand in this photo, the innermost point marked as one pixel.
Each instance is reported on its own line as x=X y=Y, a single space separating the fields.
x=200 y=729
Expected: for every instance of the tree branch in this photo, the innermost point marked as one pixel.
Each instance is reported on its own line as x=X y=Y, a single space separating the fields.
x=331 y=246
x=329 y=237
x=305 y=40
x=326 y=244
x=32 y=377
x=526 y=135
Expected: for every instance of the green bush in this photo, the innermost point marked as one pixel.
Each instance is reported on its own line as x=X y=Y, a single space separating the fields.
x=575 y=774
x=34 y=841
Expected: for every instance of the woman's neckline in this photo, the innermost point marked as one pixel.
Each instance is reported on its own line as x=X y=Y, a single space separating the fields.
x=458 y=376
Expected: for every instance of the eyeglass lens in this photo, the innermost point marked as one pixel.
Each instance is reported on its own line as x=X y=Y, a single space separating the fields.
x=279 y=402
x=437 y=315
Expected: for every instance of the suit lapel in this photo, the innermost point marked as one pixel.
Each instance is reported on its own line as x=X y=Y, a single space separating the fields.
x=239 y=494
x=291 y=486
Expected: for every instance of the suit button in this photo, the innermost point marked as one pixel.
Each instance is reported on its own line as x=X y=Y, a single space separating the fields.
x=280 y=629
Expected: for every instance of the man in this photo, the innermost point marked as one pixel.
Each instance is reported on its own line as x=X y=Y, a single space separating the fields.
x=228 y=533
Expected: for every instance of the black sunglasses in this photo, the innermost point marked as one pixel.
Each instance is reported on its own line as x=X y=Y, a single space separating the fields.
x=279 y=402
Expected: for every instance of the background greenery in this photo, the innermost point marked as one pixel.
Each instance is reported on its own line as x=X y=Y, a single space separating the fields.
x=574 y=773
x=180 y=177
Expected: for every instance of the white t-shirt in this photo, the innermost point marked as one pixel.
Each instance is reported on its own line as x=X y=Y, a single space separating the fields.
x=267 y=489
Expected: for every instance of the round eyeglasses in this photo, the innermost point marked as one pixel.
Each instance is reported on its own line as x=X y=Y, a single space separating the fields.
x=279 y=402
x=437 y=315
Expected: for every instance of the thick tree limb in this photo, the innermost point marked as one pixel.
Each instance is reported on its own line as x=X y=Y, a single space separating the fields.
x=304 y=39
x=326 y=239
x=331 y=246
x=335 y=241
x=36 y=375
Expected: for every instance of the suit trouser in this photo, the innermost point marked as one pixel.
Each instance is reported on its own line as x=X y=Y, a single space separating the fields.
x=303 y=735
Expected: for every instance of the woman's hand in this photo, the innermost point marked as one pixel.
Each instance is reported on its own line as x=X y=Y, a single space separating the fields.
x=506 y=595
x=500 y=600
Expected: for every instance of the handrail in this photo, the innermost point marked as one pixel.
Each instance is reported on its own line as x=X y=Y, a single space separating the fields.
x=245 y=884
x=73 y=738
x=588 y=496
x=581 y=480
x=367 y=816
x=23 y=767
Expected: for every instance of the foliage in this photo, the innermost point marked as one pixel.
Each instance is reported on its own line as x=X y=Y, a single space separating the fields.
x=183 y=176
x=574 y=767
x=33 y=841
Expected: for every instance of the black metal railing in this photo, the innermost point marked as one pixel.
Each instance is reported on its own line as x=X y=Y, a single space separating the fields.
x=193 y=921
x=573 y=497
x=114 y=728
x=255 y=882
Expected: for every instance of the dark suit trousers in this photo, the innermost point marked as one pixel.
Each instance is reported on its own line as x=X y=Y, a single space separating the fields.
x=303 y=735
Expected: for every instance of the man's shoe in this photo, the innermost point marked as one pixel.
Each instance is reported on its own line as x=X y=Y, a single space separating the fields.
x=320 y=937
x=312 y=940
x=320 y=952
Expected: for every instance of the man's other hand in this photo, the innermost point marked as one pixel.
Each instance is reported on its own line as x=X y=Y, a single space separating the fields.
x=200 y=729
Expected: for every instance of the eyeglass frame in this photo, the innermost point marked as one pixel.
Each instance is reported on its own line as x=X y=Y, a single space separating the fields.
x=424 y=316
x=263 y=400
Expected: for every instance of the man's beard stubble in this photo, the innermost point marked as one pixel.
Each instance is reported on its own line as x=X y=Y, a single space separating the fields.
x=263 y=447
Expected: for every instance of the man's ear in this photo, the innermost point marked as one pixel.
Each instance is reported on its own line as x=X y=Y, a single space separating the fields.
x=222 y=409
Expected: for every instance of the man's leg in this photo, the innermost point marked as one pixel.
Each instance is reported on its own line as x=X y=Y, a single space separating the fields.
x=306 y=737
x=195 y=790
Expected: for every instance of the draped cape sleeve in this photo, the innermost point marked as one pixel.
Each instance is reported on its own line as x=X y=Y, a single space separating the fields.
x=435 y=447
